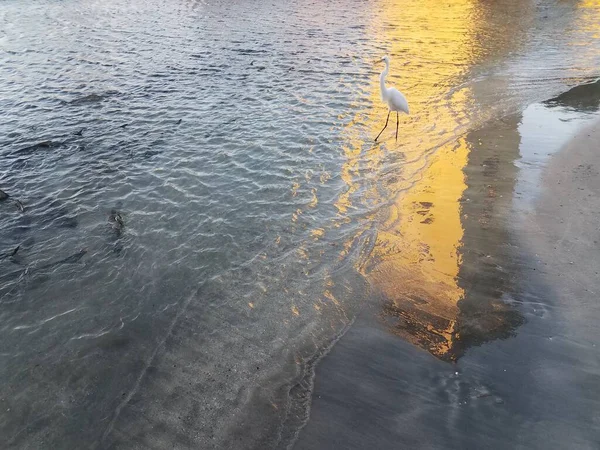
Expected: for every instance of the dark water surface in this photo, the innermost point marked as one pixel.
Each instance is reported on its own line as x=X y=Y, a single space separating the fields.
x=201 y=210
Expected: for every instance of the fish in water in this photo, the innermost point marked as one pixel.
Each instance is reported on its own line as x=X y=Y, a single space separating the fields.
x=5 y=196
x=19 y=204
x=57 y=214
x=68 y=260
x=10 y=253
x=116 y=221
x=40 y=145
x=91 y=98
x=150 y=153
x=30 y=270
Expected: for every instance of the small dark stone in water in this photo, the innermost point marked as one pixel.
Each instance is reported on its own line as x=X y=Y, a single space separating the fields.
x=110 y=342
x=3 y=195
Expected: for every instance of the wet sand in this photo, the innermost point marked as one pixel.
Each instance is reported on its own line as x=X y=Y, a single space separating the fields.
x=564 y=235
x=535 y=388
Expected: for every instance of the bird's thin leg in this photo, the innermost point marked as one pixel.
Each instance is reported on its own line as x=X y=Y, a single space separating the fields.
x=386 y=122
x=397 y=121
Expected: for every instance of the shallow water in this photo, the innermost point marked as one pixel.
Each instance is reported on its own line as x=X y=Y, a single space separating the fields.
x=525 y=361
x=235 y=141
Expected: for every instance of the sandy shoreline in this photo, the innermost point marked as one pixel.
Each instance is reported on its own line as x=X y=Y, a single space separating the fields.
x=536 y=390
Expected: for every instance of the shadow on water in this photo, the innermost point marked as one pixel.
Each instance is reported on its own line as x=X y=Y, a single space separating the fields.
x=486 y=310
x=424 y=315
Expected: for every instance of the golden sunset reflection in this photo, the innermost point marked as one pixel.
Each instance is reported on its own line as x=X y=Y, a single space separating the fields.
x=415 y=261
x=591 y=19
x=422 y=240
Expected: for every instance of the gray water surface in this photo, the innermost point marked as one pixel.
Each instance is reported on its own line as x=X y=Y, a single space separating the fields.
x=233 y=140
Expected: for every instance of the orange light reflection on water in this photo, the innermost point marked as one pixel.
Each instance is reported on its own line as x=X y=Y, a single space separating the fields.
x=415 y=261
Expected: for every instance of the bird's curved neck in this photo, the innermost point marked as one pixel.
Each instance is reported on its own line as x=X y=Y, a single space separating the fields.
x=382 y=79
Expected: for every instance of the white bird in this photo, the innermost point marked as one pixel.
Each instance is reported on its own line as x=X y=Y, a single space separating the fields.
x=395 y=99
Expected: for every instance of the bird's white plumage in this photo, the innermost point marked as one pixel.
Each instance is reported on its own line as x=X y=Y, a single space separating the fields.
x=395 y=99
